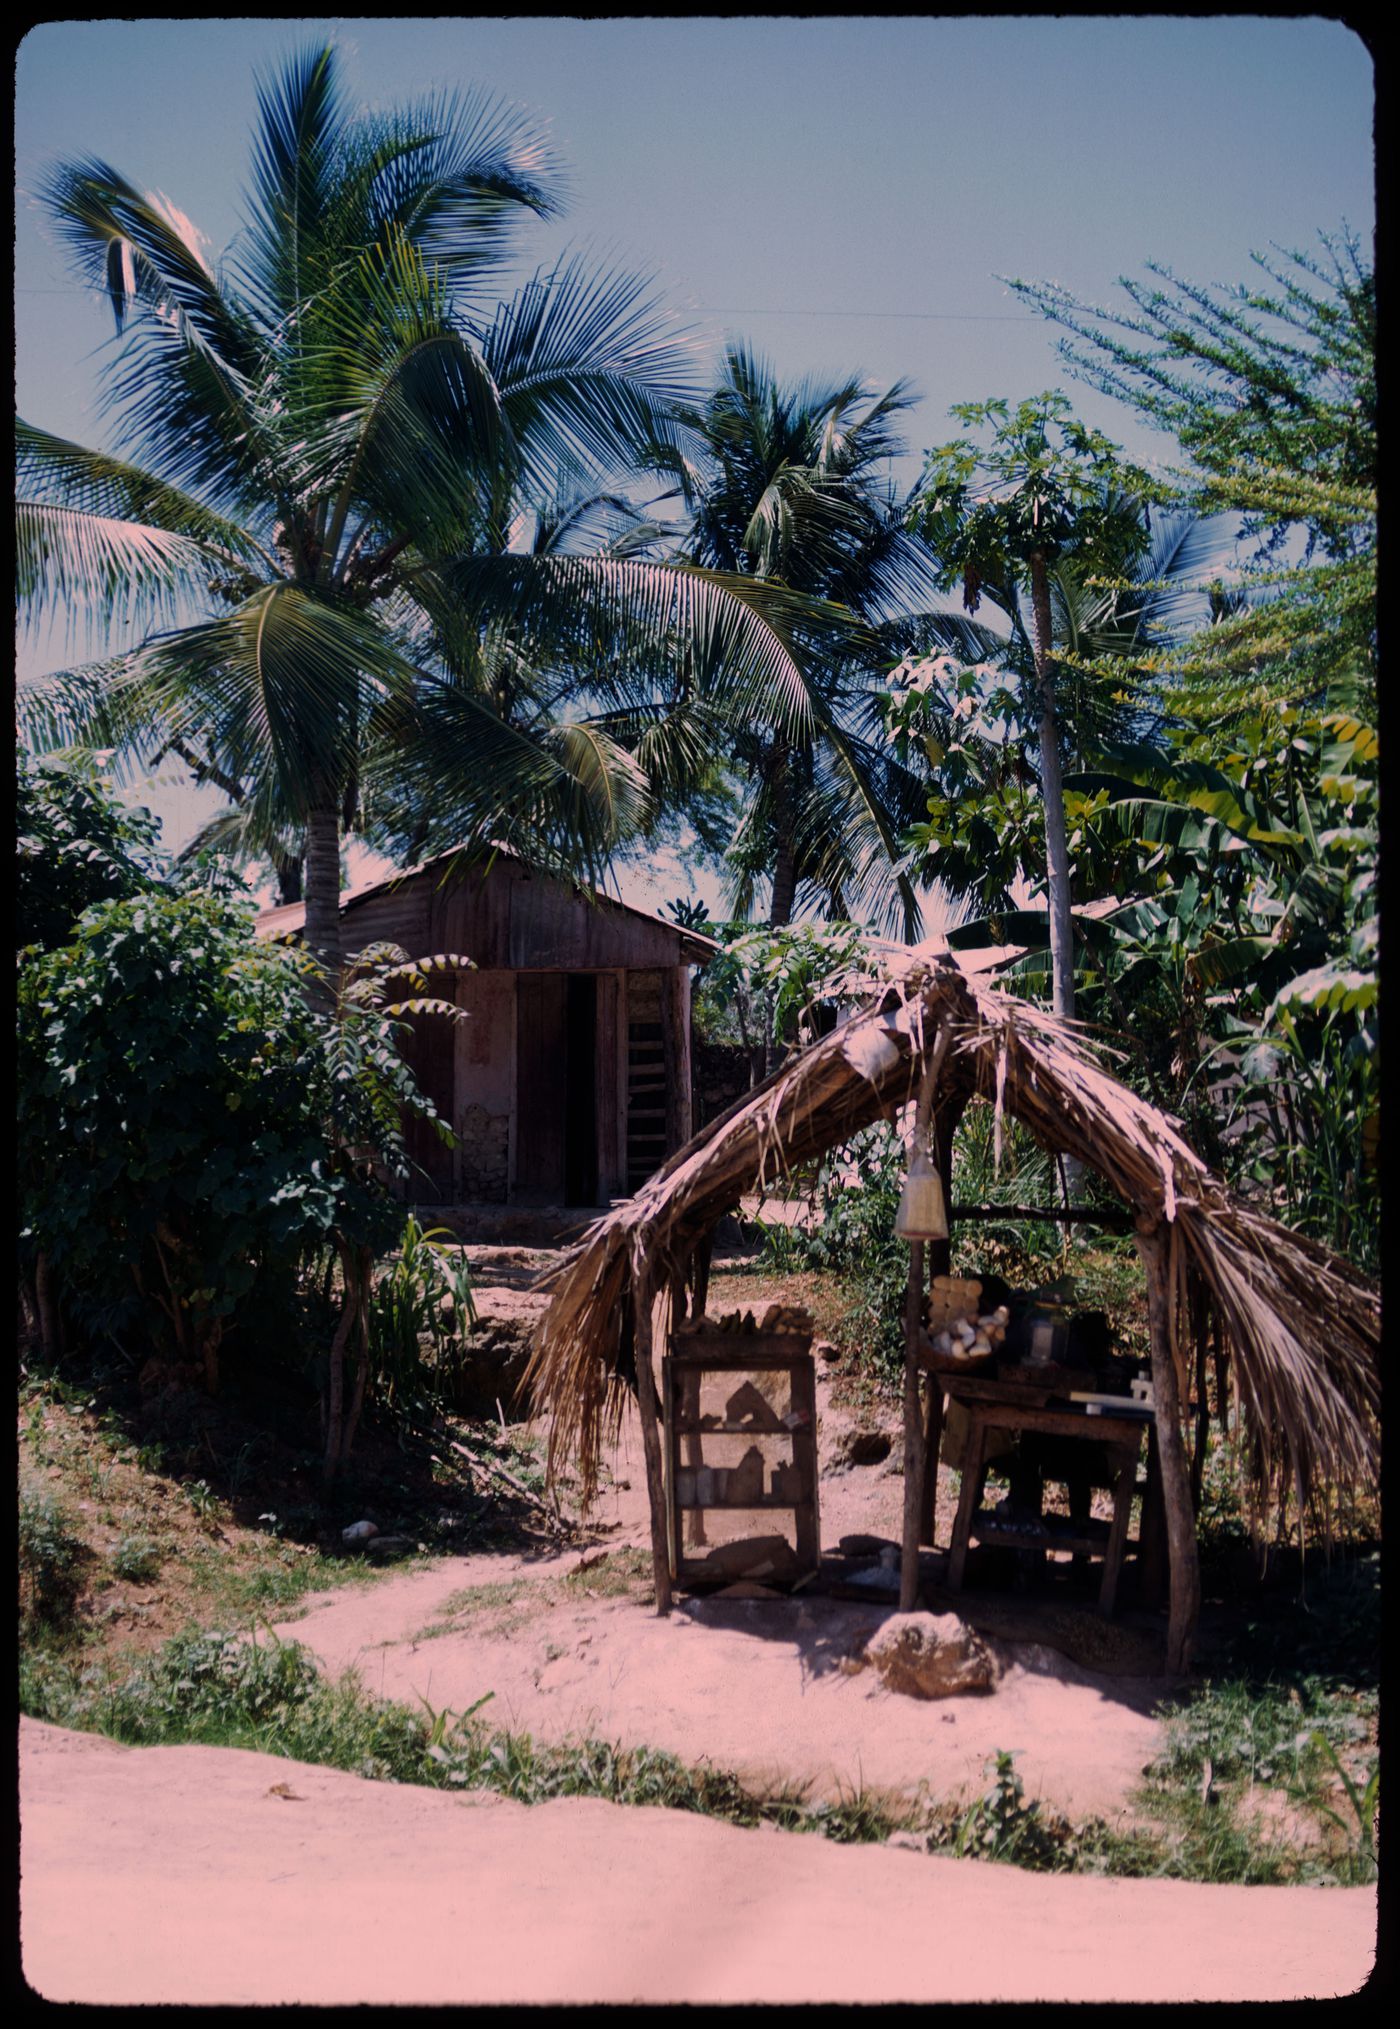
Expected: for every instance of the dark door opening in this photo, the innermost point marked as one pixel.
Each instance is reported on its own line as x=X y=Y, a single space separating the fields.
x=556 y=1090
x=581 y=1090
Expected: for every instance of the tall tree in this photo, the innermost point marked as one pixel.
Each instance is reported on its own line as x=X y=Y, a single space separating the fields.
x=332 y=433
x=1270 y=391
x=786 y=484
x=1045 y=493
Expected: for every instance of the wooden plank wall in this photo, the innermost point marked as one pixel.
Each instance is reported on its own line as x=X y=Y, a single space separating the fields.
x=511 y=919
x=429 y=1053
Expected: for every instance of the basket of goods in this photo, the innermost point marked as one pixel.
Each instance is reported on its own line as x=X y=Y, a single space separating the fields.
x=960 y=1334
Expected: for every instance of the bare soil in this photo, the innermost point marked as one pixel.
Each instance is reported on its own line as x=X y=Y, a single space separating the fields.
x=192 y=1875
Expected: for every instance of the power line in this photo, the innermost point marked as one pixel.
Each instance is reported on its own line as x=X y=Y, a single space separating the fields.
x=921 y=316
x=728 y=310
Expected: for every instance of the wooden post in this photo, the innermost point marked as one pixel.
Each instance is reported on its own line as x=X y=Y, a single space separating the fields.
x=1185 y=1594
x=700 y=1272
x=933 y=1438
x=643 y=1300
x=913 y=1434
x=675 y=1017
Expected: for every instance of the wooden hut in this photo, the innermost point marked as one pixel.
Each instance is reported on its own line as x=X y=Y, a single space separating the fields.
x=571 y=1080
x=1295 y=1330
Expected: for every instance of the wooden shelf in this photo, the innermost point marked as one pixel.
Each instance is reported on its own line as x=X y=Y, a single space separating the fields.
x=685 y=1428
x=693 y=1356
x=737 y=1507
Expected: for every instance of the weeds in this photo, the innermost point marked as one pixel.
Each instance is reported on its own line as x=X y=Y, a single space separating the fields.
x=136 y=1558
x=422 y=1299
x=223 y=1689
x=1359 y=1831
x=51 y=1558
x=1003 y=1825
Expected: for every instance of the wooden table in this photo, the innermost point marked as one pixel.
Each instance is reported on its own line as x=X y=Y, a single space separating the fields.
x=993 y=1405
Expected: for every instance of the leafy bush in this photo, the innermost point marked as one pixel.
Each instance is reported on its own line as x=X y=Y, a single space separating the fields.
x=50 y=1560
x=75 y=845
x=195 y=1135
x=423 y=1295
x=1003 y=1825
x=136 y=1558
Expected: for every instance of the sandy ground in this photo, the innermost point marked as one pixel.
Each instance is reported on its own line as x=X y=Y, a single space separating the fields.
x=202 y=1875
x=181 y=1874
x=753 y=1685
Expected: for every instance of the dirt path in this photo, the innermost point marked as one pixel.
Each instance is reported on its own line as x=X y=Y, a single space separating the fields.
x=180 y=1874
x=753 y=1685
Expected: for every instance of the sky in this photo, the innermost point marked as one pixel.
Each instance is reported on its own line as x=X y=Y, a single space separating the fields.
x=846 y=193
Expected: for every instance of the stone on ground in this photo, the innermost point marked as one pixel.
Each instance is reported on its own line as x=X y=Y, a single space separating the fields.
x=931 y=1655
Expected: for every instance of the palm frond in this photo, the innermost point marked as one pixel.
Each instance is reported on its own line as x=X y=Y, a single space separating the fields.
x=588 y=365
x=741 y=630
x=69 y=563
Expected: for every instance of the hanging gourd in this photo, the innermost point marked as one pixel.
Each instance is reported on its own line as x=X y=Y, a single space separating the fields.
x=922 y=1213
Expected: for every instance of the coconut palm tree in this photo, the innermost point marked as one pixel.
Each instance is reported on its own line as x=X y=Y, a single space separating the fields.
x=783 y=483
x=332 y=434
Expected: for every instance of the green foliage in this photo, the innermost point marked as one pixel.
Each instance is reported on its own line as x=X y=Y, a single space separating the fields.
x=780 y=985
x=420 y=1315
x=785 y=483
x=50 y=1560
x=1043 y=484
x=75 y=845
x=1271 y=393
x=136 y=1558
x=1003 y=1825
x=1364 y=1804
x=189 y=1127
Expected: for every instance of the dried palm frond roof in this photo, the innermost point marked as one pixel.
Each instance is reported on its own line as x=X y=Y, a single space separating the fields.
x=1301 y=1327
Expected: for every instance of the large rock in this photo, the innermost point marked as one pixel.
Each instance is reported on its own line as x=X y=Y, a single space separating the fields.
x=931 y=1655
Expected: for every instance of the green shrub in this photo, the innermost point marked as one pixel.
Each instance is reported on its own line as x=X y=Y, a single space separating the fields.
x=197 y=1140
x=420 y=1312
x=75 y=845
x=136 y=1558
x=50 y=1560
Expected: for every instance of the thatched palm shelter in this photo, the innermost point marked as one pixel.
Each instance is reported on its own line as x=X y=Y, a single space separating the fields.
x=1295 y=1328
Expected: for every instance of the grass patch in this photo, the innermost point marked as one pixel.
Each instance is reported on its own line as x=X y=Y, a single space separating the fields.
x=225 y=1689
x=616 y=1574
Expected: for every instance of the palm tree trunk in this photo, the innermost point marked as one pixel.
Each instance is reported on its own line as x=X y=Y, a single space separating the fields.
x=784 y=884
x=1053 y=795
x=323 y=926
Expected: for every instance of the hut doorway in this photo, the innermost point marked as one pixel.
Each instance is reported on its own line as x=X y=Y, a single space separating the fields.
x=581 y=1090
x=556 y=1029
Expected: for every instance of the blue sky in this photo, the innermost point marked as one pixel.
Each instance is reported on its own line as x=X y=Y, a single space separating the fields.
x=844 y=192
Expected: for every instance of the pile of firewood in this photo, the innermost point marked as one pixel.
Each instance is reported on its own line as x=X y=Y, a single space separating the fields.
x=779 y=1317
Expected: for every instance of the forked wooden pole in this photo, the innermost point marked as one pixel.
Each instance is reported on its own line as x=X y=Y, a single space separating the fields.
x=643 y=1299
x=914 y=1435
x=1153 y=1242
